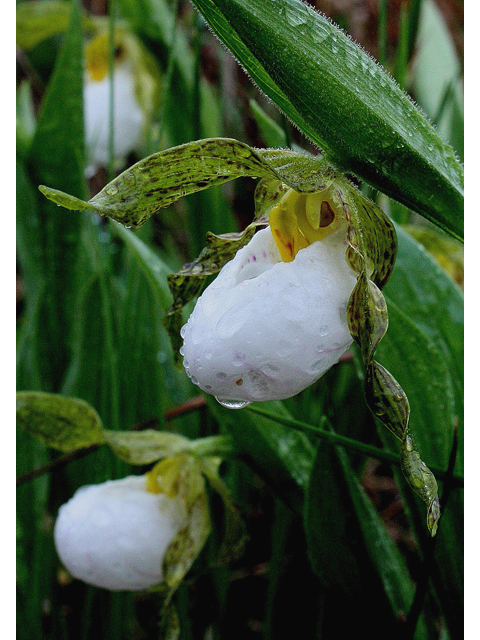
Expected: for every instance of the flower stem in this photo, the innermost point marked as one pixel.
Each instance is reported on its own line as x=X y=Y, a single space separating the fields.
x=335 y=438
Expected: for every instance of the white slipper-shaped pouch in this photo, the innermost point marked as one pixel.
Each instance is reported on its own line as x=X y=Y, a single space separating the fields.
x=114 y=535
x=266 y=329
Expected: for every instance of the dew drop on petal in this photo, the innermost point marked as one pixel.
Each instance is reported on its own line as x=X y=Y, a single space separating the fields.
x=323 y=330
x=317 y=367
x=238 y=359
x=232 y=404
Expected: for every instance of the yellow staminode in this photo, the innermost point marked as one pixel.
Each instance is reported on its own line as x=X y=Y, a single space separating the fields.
x=97 y=54
x=300 y=219
x=163 y=477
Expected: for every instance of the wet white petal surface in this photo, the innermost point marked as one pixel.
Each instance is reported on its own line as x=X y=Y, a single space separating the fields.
x=267 y=329
x=114 y=535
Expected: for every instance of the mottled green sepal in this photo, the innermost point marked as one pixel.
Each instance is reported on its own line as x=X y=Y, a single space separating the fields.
x=145 y=447
x=300 y=170
x=267 y=194
x=181 y=477
x=173 y=322
x=59 y=422
x=162 y=178
x=65 y=200
x=189 y=542
x=371 y=234
x=422 y=481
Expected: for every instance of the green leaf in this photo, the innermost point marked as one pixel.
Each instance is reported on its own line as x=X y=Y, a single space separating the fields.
x=29 y=250
x=37 y=21
x=271 y=132
x=57 y=153
x=437 y=81
x=343 y=101
x=335 y=500
x=382 y=551
x=327 y=521
x=446 y=251
x=59 y=422
x=25 y=118
x=56 y=157
x=235 y=535
x=93 y=369
x=282 y=456
x=149 y=381
x=425 y=376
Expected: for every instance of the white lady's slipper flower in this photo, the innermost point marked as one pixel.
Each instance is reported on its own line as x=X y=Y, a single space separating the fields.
x=274 y=320
x=114 y=535
x=128 y=116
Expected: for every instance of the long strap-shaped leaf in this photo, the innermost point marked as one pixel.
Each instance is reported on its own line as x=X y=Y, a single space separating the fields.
x=344 y=101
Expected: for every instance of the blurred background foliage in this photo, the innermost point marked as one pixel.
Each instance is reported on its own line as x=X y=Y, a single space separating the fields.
x=337 y=543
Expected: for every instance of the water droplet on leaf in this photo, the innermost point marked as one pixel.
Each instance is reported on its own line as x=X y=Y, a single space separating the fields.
x=129 y=178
